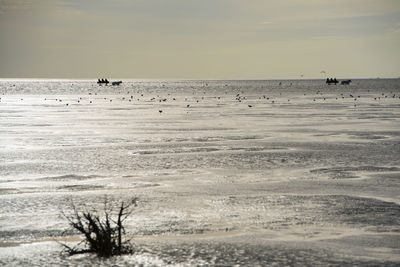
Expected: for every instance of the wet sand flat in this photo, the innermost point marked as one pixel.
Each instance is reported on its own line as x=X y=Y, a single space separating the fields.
x=252 y=173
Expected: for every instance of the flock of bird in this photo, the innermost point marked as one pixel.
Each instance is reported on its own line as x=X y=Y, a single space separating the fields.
x=235 y=95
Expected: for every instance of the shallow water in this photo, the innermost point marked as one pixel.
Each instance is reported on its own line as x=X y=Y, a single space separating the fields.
x=230 y=172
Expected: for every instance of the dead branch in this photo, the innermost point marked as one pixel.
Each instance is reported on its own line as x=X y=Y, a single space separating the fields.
x=103 y=236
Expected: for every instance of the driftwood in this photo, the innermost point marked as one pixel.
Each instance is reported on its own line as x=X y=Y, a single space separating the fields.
x=103 y=236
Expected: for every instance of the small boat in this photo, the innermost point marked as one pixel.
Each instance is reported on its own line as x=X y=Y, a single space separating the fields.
x=344 y=82
x=116 y=83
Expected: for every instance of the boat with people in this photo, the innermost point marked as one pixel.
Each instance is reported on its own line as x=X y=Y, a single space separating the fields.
x=331 y=80
x=106 y=82
x=102 y=81
x=335 y=81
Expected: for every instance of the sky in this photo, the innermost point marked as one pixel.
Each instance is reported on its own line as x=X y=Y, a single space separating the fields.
x=199 y=39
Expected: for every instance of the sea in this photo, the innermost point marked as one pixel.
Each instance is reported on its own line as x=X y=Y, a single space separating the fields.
x=226 y=172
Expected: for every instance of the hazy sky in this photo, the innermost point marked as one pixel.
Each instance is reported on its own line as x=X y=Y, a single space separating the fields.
x=232 y=39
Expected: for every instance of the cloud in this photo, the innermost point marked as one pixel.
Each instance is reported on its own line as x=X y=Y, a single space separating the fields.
x=266 y=23
x=338 y=27
x=7 y=6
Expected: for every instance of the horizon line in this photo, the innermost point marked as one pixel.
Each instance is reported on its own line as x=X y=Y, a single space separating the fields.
x=198 y=79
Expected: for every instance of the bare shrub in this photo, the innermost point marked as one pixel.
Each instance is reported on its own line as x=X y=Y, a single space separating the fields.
x=103 y=231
